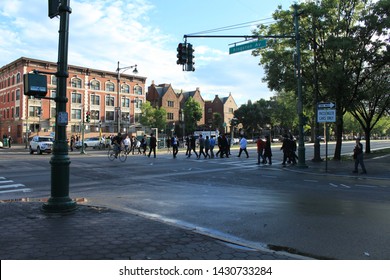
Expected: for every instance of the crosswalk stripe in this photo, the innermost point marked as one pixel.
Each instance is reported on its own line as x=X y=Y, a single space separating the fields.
x=11 y=186
x=17 y=190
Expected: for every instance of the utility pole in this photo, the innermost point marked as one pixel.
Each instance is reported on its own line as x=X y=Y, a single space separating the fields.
x=60 y=201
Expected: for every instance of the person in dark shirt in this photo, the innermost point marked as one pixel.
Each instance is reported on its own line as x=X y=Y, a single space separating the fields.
x=152 y=145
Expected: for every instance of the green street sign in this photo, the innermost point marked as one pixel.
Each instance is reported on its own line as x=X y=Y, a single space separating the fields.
x=259 y=44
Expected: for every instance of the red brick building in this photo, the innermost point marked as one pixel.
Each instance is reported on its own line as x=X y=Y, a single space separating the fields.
x=88 y=90
x=225 y=107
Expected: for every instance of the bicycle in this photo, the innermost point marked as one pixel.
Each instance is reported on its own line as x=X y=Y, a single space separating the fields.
x=112 y=154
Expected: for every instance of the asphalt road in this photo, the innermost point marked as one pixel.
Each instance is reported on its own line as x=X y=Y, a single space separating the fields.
x=310 y=213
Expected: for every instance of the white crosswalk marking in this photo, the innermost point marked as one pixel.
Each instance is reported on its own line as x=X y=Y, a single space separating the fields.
x=8 y=186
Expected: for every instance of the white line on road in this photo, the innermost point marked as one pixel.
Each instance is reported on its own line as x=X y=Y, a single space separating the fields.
x=11 y=186
x=17 y=190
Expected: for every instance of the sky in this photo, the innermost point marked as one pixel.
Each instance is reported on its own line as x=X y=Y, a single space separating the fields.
x=146 y=33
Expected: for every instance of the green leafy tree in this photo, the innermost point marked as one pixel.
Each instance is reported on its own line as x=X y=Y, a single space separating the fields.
x=343 y=45
x=192 y=114
x=153 y=117
x=218 y=121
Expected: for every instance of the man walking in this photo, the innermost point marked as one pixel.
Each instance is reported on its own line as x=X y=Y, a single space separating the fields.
x=152 y=145
x=358 y=156
x=243 y=144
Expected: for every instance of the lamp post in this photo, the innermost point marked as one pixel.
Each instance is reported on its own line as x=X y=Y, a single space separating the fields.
x=118 y=79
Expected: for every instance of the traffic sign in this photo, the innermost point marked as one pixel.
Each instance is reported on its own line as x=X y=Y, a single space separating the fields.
x=327 y=115
x=248 y=46
x=326 y=105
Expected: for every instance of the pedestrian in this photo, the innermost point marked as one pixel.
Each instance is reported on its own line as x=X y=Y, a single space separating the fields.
x=260 y=150
x=72 y=140
x=224 y=146
x=188 y=144
x=144 y=144
x=152 y=145
x=243 y=144
x=207 y=146
x=219 y=146
x=267 y=151
x=201 y=146
x=358 y=157
x=212 y=145
x=168 y=145
x=286 y=149
x=9 y=141
x=126 y=143
x=193 y=145
x=175 y=145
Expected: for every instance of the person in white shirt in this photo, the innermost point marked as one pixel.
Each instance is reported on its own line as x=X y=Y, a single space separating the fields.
x=243 y=144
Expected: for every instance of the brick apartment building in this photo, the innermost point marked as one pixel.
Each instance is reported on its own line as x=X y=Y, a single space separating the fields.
x=88 y=90
x=173 y=101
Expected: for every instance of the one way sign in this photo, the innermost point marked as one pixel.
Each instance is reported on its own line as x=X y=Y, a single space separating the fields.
x=328 y=105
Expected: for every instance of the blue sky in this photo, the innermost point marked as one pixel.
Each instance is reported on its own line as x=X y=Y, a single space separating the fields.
x=146 y=33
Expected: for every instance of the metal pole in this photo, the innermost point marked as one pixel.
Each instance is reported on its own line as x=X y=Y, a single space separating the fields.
x=301 y=143
x=118 y=101
x=60 y=200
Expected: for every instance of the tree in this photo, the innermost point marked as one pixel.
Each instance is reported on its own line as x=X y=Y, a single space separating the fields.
x=348 y=41
x=218 y=121
x=192 y=114
x=153 y=117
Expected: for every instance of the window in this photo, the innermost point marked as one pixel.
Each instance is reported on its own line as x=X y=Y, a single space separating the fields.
x=17 y=112
x=76 y=114
x=76 y=97
x=110 y=86
x=95 y=85
x=126 y=102
x=171 y=103
x=95 y=115
x=209 y=110
x=109 y=115
x=231 y=110
x=138 y=90
x=125 y=88
x=53 y=94
x=170 y=116
x=53 y=112
x=138 y=103
x=53 y=80
x=17 y=94
x=110 y=101
x=95 y=99
x=18 y=78
x=76 y=83
x=34 y=111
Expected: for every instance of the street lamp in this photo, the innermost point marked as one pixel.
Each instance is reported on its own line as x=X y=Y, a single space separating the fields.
x=118 y=78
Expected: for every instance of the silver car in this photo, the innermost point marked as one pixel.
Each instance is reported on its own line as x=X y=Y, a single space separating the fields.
x=41 y=144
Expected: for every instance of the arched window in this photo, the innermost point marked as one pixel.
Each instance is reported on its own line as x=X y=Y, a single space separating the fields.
x=95 y=85
x=110 y=86
x=125 y=88
x=76 y=83
x=138 y=90
x=18 y=78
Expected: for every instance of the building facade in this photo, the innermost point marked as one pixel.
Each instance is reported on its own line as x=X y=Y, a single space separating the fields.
x=173 y=101
x=225 y=107
x=100 y=93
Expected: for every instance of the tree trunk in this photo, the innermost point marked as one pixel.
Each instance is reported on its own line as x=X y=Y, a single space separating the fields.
x=339 y=134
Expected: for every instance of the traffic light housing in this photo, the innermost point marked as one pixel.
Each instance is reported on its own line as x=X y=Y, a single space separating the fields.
x=182 y=53
x=190 y=58
x=87 y=117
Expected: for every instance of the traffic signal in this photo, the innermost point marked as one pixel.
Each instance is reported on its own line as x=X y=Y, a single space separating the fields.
x=190 y=58
x=87 y=116
x=182 y=54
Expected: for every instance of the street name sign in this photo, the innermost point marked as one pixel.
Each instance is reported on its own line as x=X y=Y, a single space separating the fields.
x=259 y=44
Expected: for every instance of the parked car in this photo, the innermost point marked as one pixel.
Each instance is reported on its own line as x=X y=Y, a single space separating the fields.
x=41 y=144
x=88 y=142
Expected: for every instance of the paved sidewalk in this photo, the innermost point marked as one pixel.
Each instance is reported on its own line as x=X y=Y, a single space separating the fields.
x=93 y=233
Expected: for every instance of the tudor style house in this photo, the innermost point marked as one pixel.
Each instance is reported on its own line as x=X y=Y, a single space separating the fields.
x=173 y=101
x=97 y=92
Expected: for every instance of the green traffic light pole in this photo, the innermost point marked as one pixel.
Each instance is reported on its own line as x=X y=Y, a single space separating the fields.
x=60 y=202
